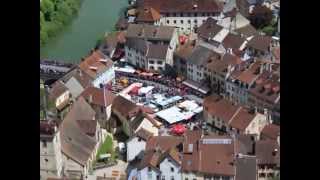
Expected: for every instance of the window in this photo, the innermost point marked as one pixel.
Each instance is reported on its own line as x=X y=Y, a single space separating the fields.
x=181 y=21
x=159 y=62
x=181 y=14
x=195 y=14
x=174 y=22
x=195 y=21
x=163 y=178
x=149 y=169
x=44 y=142
x=189 y=14
x=168 y=22
x=189 y=22
x=203 y=14
x=172 y=169
x=151 y=62
x=46 y=160
x=151 y=67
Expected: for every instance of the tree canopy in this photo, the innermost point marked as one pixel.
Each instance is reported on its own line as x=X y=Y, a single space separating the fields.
x=261 y=16
x=54 y=14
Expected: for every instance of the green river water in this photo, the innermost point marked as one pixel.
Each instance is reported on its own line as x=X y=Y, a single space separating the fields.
x=95 y=18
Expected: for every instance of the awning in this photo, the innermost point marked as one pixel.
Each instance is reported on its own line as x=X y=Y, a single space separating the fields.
x=196 y=86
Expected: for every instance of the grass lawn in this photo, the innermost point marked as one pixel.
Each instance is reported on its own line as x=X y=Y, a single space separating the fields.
x=106 y=147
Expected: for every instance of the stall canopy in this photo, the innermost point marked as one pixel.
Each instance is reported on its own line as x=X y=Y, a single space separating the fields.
x=196 y=86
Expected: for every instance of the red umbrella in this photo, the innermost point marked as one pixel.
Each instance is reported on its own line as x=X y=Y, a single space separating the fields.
x=178 y=129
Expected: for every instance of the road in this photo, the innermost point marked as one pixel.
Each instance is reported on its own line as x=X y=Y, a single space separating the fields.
x=117 y=171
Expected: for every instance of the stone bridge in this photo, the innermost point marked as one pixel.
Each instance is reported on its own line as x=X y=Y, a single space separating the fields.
x=51 y=70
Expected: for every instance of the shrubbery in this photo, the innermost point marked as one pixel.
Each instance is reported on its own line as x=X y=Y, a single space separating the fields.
x=54 y=14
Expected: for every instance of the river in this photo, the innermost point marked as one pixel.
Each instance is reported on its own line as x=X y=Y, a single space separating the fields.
x=95 y=18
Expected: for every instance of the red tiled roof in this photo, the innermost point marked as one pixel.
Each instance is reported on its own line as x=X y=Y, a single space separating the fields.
x=148 y=14
x=271 y=131
x=98 y=96
x=144 y=134
x=76 y=144
x=242 y=119
x=233 y=41
x=249 y=75
x=268 y=152
x=124 y=106
x=57 y=89
x=219 y=107
x=89 y=127
x=218 y=162
x=93 y=61
x=260 y=42
x=163 y=142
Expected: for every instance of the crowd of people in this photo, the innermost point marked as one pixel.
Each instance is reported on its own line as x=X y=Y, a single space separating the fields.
x=174 y=87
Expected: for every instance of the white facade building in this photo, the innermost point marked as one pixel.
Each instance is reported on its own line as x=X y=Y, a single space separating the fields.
x=150 y=47
x=104 y=77
x=51 y=164
x=187 y=17
x=135 y=146
x=170 y=169
x=186 y=22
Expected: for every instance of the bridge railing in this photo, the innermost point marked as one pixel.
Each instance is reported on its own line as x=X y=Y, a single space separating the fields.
x=56 y=63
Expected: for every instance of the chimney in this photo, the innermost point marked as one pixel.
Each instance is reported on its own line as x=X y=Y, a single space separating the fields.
x=80 y=72
x=157 y=149
x=90 y=98
x=261 y=68
x=55 y=128
x=274 y=152
x=193 y=43
x=195 y=6
x=265 y=111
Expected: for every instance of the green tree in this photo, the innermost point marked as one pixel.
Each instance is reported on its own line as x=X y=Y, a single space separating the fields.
x=261 y=16
x=47 y=7
x=269 y=30
x=63 y=14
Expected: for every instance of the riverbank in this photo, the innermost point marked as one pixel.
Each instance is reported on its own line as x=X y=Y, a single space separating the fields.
x=55 y=15
x=95 y=18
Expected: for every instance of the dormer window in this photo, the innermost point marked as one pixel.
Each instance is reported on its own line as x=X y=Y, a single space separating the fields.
x=103 y=60
x=93 y=68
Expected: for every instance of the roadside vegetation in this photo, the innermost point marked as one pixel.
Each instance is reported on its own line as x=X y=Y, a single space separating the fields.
x=54 y=15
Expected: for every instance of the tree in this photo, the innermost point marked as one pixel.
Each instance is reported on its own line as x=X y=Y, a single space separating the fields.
x=47 y=7
x=269 y=30
x=261 y=16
